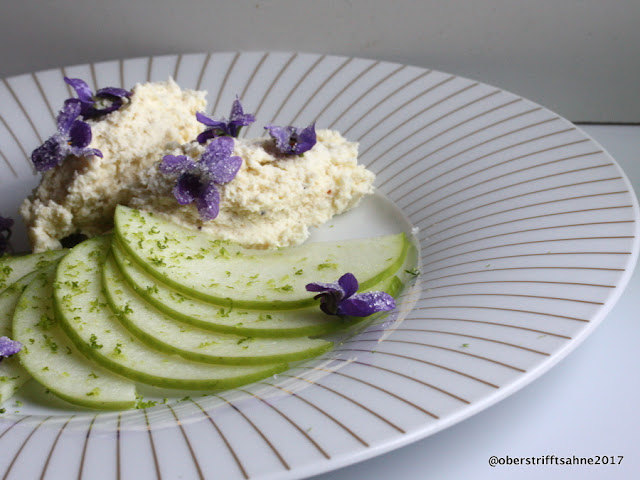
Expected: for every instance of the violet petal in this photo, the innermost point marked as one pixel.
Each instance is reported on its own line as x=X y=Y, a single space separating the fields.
x=82 y=89
x=209 y=122
x=324 y=287
x=219 y=149
x=306 y=139
x=9 y=347
x=216 y=128
x=217 y=162
x=112 y=94
x=225 y=171
x=349 y=284
x=206 y=135
x=238 y=118
x=80 y=134
x=208 y=202
x=92 y=112
x=340 y=298
x=113 y=91
x=281 y=135
x=84 y=152
x=94 y=151
x=71 y=109
x=48 y=155
x=198 y=180
x=187 y=188
x=291 y=140
x=365 y=304
x=172 y=164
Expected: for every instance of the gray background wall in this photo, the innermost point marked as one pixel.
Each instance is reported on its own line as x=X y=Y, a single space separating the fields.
x=577 y=57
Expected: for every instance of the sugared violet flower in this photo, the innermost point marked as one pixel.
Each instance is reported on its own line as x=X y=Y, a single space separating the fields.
x=293 y=140
x=5 y=234
x=8 y=347
x=72 y=138
x=105 y=100
x=231 y=127
x=197 y=180
x=340 y=298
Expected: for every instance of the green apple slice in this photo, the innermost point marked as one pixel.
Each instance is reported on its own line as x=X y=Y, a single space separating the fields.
x=85 y=316
x=166 y=334
x=229 y=275
x=52 y=359
x=13 y=268
x=309 y=321
x=12 y=374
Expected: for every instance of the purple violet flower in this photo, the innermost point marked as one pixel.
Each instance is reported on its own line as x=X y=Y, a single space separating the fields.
x=8 y=347
x=72 y=138
x=197 y=180
x=340 y=298
x=5 y=234
x=105 y=100
x=219 y=128
x=293 y=140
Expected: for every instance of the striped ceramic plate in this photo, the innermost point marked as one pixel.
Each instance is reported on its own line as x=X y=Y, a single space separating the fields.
x=528 y=234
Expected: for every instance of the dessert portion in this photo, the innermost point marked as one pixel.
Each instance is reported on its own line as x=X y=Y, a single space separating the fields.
x=280 y=186
x=274 y=198
x=192 y=290
x=79 y=195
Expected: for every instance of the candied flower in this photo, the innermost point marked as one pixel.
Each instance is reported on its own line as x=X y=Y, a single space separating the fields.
x=197 y=180
x=72 y=138
x=293 y=140
x=8 y=347
x=340 y=298
x=5 y=234
x=219 y=128
x=105 y=100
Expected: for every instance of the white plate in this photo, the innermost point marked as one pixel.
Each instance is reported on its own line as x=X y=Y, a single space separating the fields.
x=528 y=233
